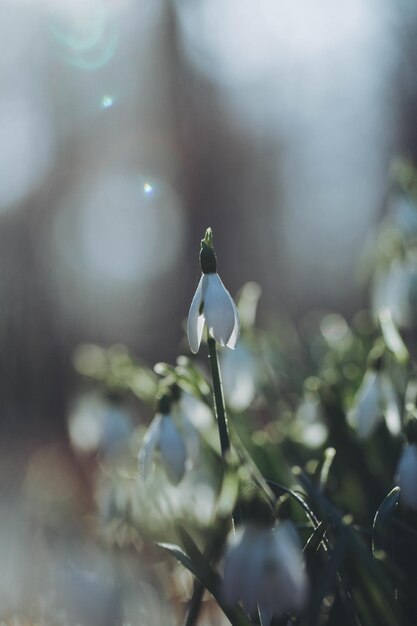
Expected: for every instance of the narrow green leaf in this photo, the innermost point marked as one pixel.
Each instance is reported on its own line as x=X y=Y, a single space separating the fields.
x=328 y=457
x=315 y=539
x=201 y=569
x=180 y=555
x=382 y=521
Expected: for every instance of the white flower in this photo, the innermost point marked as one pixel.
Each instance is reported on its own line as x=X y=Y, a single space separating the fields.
x=212 y=305
x=376 y=398
x=309 y=426
x=96 y=424
x=264 y=567
x=392 y=290
x=163 y=435
x=406 y=476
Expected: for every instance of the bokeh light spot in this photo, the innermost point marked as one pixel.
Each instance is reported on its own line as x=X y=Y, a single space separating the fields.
x=107 y=102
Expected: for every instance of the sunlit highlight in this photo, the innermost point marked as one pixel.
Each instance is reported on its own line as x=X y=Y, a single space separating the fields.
x=115 y=233
x=107 y=102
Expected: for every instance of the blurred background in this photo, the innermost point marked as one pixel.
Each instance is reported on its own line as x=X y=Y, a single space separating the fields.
x=127 y=127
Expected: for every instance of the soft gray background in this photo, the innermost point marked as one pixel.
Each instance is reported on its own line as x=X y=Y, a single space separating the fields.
x=127 y=127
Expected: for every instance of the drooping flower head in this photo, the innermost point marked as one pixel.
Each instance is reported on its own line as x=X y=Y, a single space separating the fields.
x=264 y=567
x=170 y=433
x=212 y=303
x=375 y=400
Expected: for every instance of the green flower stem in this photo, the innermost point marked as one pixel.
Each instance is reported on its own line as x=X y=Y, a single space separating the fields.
x=220 y=410
x=218 y=398
x=195 y=604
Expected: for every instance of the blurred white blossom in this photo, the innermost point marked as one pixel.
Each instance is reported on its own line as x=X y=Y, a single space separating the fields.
x=96 y=424
x=406 y=476
x=265 y=567
x=163 y=435
x=308 y=425
x=392 y=289
x=375 y=399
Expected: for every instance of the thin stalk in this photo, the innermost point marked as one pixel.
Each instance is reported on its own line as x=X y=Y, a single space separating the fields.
x=218 y=398
x=220 y=412
x=195 y=604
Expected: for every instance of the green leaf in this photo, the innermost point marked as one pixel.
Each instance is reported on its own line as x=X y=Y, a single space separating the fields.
x=382 y=522
x=375 y=587
x=180 y=555
x=315 y=539
x=201 y=569
x=328 y=457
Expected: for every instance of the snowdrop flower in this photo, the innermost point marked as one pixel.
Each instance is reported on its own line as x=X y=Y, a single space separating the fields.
x=173 y=435
x=264 y=567
x=376 y=398
x=393 y=288
x=163 y=435
x=98 y=424
x=406 y=476
x=308 y=426
x=212 y=304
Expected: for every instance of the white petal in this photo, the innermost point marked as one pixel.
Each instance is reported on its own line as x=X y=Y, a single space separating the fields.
x=172 y=448
x=234 y=565
x=251 y=574
x=391 y=290
x=392 y=409
x=219 y=310
x=407 y=476
x=367 y=410
x=291 y=572
x=188 y=432
x=149 y=444
x=236 y=328
x=195 y=322
x=241 y=569
x=283 y=582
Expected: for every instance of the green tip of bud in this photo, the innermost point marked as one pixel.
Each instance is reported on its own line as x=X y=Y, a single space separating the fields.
x=208 y=238
x=208 y=259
